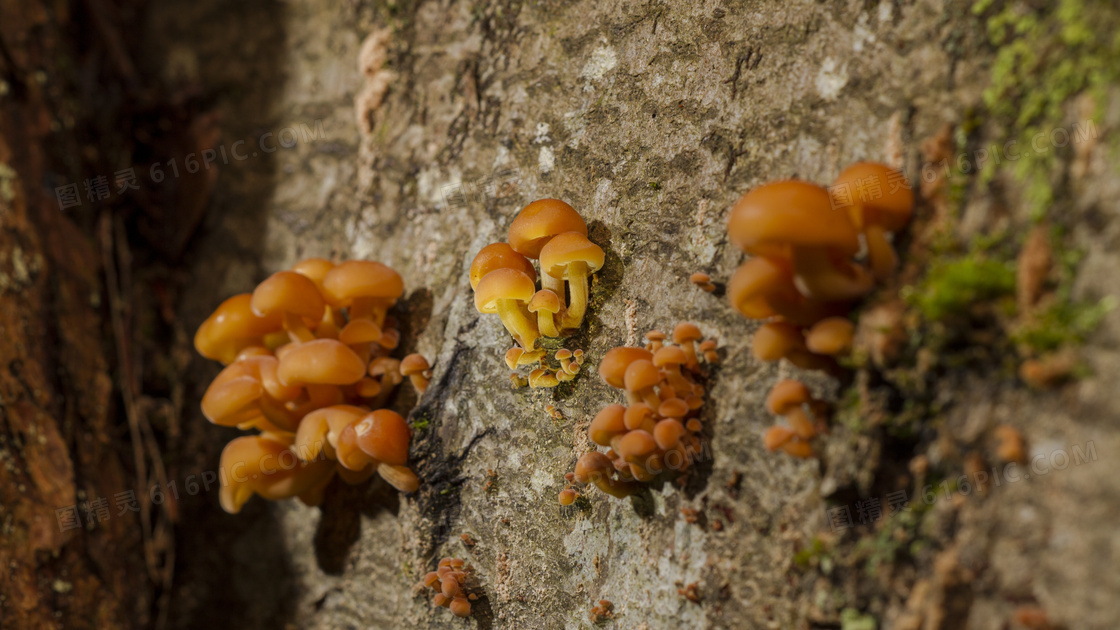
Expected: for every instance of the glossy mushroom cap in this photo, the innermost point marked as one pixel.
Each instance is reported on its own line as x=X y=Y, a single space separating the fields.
x=288 y=292
x=640 y=375
x=775 y=340
x=612 y=368
x=499 y=256
x=874 y=193
x=593 y=466
x=321 y=362
x=540 y=221
x=232 y=327
x=830 y=336
x=384 y=435
x=319 y=430
x=314 y=268
x=264 y=465
x=361 y=279
x=564 y=249
x=503 y=284
x=770 y=218
x=607 y=424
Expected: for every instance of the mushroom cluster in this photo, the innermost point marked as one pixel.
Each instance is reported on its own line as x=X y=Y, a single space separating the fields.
x=308 y=365
x=447 y=581
x=658 y=431
x=803 y=275
x=792 y=400
x=504 y=280
x=803 y=278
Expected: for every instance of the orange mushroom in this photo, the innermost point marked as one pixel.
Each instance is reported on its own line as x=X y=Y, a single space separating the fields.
x=293 y=296
x=612 y=368
x=232 y=327
x=546 y=304
x=415 y=367
x=538 y=222
x=264 y=464
x=366 y=287
x=878 y=200
x=788 y=398
x=506 y=292
x=571 y=257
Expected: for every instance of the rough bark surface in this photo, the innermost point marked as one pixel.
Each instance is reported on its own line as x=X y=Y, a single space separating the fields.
x=650 y=118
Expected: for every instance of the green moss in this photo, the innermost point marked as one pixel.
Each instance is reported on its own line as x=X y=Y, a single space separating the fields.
x=852 y=619
x=1047 y=53
x=953 y=286
x=1064 y=324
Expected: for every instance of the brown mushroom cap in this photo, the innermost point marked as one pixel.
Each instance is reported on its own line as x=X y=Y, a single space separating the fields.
x=349 y=454
x=786 y=395
x=776 y=436
x=231 y=401
x=566 y=248
x=384 y=435
x=414 y=364
x=288 y=292
x=890 y=209
x=668 y=433
x=361 y=279
x=319 y=429
x=673 y=408
x=460 y=607
x=592 y=466
x=233 y=327
x=830 y=336
x=775 y=340
x=540 y=221
x=636 y=444
x=641 y=375
x=321 y=362
x=770 y=218
x=503 y=284
x=499 y=256
x=613 y=366
x=607 y=424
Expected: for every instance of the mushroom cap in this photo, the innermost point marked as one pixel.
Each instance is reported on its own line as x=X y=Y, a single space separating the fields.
x=414 y=363
x=772 y=217
x=232 y=327
x=593 y=463
x=668 y=433
x=349 y=454
x=567 y=496
x=562 y=250
x=321 y=427
x=787 y=395
x=776 y=436
x=607 y=423
x=321 y=362
x=636 y=415
x=636 y=444
x=890 y=210
x=288 y=292
x=774 y=340
x=673 y=408
x=545 y=300
x=669 y=355
x=314 y=268
x=503 y=284
x=359 y=331
x=460 y=607
x=612 y=368
x=685 y=332
x=263 y=464
x=641 y=374
x=499 y=256
x=230 y=401
x=830 y=336
x=540 y=221
x=361 y=279
x=756 y=279
x=384 y=435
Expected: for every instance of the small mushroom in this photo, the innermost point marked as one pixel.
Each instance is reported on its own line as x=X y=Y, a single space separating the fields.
x=384 y=435
x=541 y=220
x=596 y=468
x=567 y=496
x=499 y=256
x=321 y=366
x=546 y=304
x=830 y=336
x=318 y=431
x=670 y=359
x=414 y=367
x=639 y=416
x=232 y=327
x=368 y=288
x=702 y=280
x=685 y=334
x=264 y=465
x=668 y=433
x=506 y=292
x=640 y=379
x=612 y=368
x=794 y=220
x=654 y=340
x=788 y=398
x=295 y=297
x=571 y=257
x=607 y=424
x=875 y=207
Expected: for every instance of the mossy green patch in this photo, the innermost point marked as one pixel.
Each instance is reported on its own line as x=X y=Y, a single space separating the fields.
x=956 y=285
x=1064 y=324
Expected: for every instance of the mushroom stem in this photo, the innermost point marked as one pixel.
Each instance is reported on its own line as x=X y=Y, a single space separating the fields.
x=880 y=253
x=546 y=322
x=518 y=323
x=297 y=329
x=556 y=285
x=577 y=284
x=400 y=477
x=819 y=277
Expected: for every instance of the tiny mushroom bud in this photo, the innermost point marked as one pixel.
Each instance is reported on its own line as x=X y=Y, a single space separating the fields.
x=794 y=220
x=567 y=496
x=654 y=340
x=564 y=356
x=546 y=304
x=413 y=366
x=505 y=292
x=875 y=214
x=232 y=327
x=613 y=366
x=293 y=295
x=788 y=398
x=571 y=257
x=830 y=336
x=702 y=280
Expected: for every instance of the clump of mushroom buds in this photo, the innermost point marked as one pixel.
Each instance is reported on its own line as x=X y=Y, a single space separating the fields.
x=658 y=431
x=803 y=276
x=309 y=365
x=447 y=581
x=504 y=280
